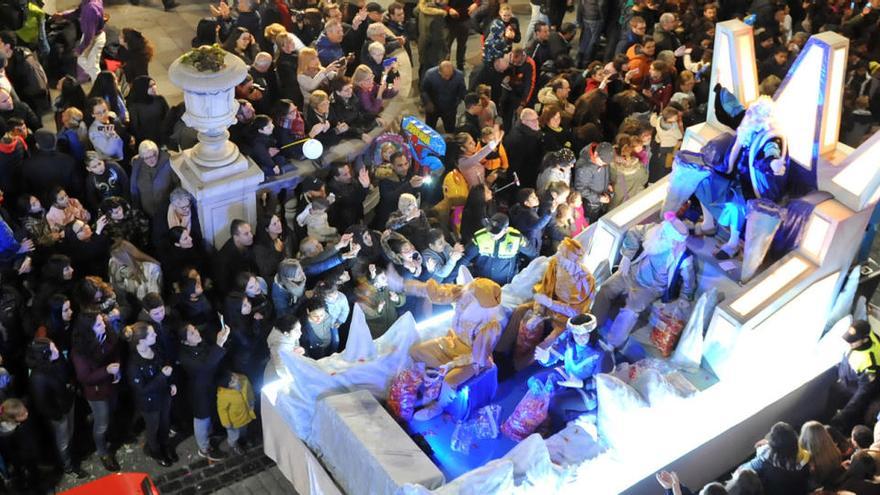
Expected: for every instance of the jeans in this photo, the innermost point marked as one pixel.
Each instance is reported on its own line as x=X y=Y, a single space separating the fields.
x=202 y=432
x=63 y=431
x=536 y=16
x=157 y=424
x=233 y=434
x=101 y=410
x=590 y=32
x=90 y=59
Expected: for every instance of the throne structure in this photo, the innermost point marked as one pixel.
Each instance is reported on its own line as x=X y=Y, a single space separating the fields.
x=782 y=312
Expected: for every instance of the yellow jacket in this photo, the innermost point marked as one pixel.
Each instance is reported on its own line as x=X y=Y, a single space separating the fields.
x=234 y=406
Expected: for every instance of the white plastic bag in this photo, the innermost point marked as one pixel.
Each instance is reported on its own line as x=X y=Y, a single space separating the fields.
x=531 y=464
x=689 y=351
x=573 y=445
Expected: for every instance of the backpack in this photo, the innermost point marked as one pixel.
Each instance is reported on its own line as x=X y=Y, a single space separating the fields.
x=27 y=74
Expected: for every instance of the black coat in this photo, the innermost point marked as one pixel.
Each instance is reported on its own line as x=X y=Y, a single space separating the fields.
x=145 y=119
x=45 y=170
x=288 y=87
x=524 y=153
x=151 y=387
x=348 y=209
x=12 y=155
x=200 y=364
x=52 y=390
x=229 y=262
x=160 y=226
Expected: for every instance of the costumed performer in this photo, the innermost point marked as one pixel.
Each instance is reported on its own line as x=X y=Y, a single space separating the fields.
x=664 y=269
x=466 y=350
x=583 y=354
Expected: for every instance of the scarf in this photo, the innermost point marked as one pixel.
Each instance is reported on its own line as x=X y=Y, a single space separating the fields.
x=175 y=220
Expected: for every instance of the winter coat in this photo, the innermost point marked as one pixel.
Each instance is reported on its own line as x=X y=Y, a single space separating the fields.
x=145 y=119
x=524 y=153
x=235 y=407
x=91 y=368
x=151 y=387
x=590 y=180
x=151 y=186
x=200 y=363
x=51 y=389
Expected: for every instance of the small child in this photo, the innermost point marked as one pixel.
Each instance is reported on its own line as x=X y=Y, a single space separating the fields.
x=235 y=406
x=317 y=225
x=489 y=115
x=579 y=219
x=497 y=159
x=20 y=440
x=440 y=258
x=557 y=230
x=666 y=140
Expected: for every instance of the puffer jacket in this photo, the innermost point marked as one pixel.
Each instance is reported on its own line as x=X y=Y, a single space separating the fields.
x=235 y=407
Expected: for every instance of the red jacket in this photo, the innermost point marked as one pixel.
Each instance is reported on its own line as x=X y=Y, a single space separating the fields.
x=91 y=368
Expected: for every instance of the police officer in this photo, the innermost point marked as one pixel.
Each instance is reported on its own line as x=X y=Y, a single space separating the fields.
x=863 y=361
x=494 y=250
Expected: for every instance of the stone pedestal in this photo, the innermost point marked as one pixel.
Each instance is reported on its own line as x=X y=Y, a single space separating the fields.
x=222 y=180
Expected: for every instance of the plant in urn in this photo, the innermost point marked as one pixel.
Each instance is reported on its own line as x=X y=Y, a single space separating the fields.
x=208 y=76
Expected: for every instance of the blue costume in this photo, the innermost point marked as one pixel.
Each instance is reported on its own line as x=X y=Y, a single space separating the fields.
x=580 y=361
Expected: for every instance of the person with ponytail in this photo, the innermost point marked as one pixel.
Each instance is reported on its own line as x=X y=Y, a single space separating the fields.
x=52 y=392
x=149 y=379
x=95 y=357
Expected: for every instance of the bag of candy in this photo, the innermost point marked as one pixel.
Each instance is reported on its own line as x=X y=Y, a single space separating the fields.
x=530 y=412
x=529 y=334
x=462 y=436
x=433 y=380
x=486 y=422
x=667 y=326
x=404 y=390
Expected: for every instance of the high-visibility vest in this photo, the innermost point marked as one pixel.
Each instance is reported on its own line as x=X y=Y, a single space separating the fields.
x=867 y=360
x=505 y=248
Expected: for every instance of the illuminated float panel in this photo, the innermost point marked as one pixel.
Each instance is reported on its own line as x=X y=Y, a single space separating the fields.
x=763 y=342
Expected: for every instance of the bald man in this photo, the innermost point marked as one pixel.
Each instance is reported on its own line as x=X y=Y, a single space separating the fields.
x=523 y=146
x=442 y=89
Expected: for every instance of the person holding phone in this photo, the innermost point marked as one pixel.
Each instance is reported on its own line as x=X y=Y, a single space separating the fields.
x=311 y=75
x=201 y=359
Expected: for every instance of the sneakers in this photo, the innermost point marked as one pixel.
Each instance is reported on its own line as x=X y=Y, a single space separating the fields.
x=110 y=464
x=77 y=471
x=236 y=450
x=213 y=454
x=160 y=459
x=170 y=454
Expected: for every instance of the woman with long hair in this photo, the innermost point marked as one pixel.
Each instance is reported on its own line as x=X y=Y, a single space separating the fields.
x=147 y=110
x=70 y=94
x=132 y=271
x=271 y=245
x=135 y=52
x=241 y=43
x=149 y=379
x=310 y=74
x=192 y=304
x=286 y=62
x=106 y=87
x=479 y=206
x=779 y=462
x=207 y=32
x=58 y=321
x=825 y=459
x=95 y=357
x=628 y=175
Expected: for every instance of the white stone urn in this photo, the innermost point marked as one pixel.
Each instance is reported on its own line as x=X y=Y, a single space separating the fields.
x=222 y=180
x=210 y=109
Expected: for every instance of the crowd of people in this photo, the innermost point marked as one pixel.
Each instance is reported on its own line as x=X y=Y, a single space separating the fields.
x=113 y=304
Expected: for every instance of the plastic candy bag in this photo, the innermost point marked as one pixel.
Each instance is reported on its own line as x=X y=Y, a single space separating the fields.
x=529 y=334
x=667 y=325
x=530 y=412
x=486 y=422
x=404 y=390
x=462 y=437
